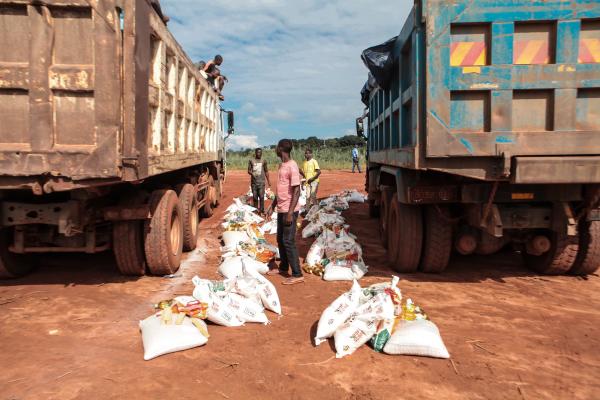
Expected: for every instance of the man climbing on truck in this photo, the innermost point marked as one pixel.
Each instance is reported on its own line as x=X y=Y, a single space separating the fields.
x=288 y=207
x=259 y=174
x=213 y=73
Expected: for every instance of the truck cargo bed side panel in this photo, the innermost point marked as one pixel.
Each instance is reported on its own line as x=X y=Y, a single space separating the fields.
x=512 y=78
x=59 y=89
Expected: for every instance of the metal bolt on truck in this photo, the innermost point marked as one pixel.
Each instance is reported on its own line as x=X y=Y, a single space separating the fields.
x=109 y=137
x=483 y=125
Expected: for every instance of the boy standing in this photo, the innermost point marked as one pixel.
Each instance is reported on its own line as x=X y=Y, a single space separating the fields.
x=286 y=201
x=257 y=169
x=311 y=172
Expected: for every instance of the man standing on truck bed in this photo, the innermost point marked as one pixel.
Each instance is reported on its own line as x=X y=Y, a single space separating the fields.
x=288 y=207
x=214 y=74
x=259 y=173
x=355 y=158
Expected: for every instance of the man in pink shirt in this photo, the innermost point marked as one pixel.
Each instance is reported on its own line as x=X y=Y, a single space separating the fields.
x=286 y=201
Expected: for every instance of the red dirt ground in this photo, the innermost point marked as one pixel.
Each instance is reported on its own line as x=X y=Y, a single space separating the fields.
x=70 y=331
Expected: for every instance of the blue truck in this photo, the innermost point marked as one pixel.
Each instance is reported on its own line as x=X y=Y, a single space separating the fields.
x=483 y=127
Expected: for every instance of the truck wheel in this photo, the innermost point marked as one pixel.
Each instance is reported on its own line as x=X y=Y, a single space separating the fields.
x=207 y=209
x=373 y=208
x=128 y=246
x=405 y=236
x=437 y=242
x=588 y=254
x=559 y=259
x=189 y=205
x=384 y=208
x=11 y=265
x=163 y=242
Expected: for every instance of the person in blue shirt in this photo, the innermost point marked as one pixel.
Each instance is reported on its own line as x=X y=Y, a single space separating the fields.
x=355 y=158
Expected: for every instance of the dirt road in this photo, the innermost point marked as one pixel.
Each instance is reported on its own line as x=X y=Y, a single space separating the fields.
x=69 y=331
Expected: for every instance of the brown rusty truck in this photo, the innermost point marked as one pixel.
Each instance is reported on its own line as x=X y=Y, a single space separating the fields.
x=484 y=131
x=109 y=137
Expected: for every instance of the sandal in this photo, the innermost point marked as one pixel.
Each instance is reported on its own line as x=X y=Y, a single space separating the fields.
x=276 y=271
x=293 y=280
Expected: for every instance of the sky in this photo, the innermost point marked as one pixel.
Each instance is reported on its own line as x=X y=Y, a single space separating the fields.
x=293 y=66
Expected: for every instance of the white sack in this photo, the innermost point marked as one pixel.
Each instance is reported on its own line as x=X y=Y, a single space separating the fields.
x=247 y=310
x=311 y=229
x=417 y=338
x=315 y=253
x=233 y=238
x=162 y=339
x=351 y=271
x=232 y=267
x=337 y=313
x=353 y=334
x=266 y=290
x=355 y=197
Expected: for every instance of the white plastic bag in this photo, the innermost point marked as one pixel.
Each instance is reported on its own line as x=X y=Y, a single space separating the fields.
x=159 y=339
x=232 y=267
x=417 y=338
x=337 y=313
x=233 y=238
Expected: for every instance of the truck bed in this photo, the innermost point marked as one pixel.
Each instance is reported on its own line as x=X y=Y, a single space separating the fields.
x=492 y=89
x=96 y=92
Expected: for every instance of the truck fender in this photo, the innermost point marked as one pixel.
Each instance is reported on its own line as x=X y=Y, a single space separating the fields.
x=401 y=178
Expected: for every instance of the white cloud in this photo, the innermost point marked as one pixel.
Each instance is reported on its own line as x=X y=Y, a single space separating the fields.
x=289 y=63
x=236 y=142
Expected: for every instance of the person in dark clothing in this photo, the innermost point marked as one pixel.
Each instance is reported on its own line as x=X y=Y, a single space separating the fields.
x=288 y=207
x=259 y=174
x=214 y=74
x=156 y=5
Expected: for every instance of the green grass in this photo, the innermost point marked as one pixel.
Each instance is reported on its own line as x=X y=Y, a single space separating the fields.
x=328 y=158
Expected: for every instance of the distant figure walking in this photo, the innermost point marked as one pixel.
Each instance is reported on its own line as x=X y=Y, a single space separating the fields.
x=213 y=74
x=355 y=159
x=311 y=172
x=259 y=174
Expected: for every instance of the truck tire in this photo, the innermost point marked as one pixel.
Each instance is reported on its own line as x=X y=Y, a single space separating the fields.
x=559 y=259
x=11 y=265
x=373 y=208
x=207 y=209
x=163 y=242
x=128 y=246
x=437 y=240
x=189 y=204
x=384 y=208
x=218 y=191
x=588 y=254
x=405 y=236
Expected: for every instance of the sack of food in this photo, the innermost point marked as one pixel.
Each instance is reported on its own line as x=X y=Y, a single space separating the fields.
x=383 y=334
x=232 y=267
x=312 y=229
x=338 y=273
x=315 y=253
x=247 y=310
x=337 y=313
x=266 y=290
x=221 y=313
x=420 y=337
x=160 y=338
x=232 y=238
x=353 y=334
x=355 y=197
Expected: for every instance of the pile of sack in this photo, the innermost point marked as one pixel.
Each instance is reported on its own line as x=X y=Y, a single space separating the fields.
x=335 y=255
x=242 y=297
x=378 y=315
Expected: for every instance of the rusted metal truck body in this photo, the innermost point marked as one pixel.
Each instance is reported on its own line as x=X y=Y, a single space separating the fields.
x=488 y=133
x=107 y=130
